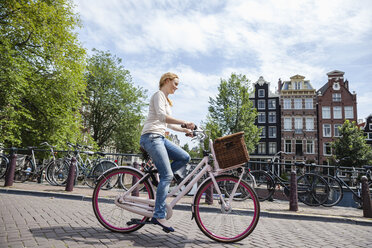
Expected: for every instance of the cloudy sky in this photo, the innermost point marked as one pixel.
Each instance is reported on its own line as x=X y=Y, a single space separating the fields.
x=204 y=41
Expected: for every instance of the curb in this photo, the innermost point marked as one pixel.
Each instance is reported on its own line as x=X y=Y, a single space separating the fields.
x=185 y=207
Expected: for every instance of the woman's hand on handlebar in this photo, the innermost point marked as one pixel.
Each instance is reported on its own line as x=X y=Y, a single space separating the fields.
x=189 y=125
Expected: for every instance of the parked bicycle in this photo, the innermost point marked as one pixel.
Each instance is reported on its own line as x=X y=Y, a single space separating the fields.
x=337 y=185
x=312 y=189
x=86 y=170
x=4 y=163
x=126 y=208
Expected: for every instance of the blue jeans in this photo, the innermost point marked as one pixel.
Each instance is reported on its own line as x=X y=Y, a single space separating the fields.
x=161 y=150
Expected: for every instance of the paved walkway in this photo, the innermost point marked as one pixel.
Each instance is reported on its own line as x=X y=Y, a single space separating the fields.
x=35 y=221
x=278 y=209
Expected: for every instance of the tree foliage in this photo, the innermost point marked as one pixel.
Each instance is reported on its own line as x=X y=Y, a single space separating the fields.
x=113 y=112
x=351 y=148
x=232 y=111
x=41 y=72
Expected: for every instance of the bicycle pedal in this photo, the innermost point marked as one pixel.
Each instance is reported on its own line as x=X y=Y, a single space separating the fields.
x=138 y=222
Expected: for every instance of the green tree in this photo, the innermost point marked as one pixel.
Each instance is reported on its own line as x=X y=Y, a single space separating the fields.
x=113 y=112
x=351 y=148
x=232 y=111
x=41 y=72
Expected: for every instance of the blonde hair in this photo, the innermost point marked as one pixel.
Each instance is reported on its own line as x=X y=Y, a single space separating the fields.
x=164 y=77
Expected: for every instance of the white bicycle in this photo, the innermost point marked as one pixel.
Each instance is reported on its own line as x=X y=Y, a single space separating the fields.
x=130 y=204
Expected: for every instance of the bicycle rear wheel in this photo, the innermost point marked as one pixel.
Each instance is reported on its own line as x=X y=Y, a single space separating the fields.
x=312 y=189
x=110 y=215
x=226 y=224
x=24 y=171
x=265 y=185
x=335 y=191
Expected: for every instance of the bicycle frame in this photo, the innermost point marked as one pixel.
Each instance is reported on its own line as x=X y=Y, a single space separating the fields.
x=145 y=206
x=347 y=186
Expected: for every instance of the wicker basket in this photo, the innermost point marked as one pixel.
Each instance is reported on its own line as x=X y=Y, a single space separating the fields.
x=231 y=150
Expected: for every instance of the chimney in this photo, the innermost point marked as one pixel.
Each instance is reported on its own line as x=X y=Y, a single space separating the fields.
x=279 y=85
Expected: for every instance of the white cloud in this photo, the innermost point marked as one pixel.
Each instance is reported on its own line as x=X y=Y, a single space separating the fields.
x=275 y=39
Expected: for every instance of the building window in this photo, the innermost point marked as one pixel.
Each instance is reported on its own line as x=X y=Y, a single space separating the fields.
x=299 y=150
x=261 y=148
x=272 y=147
x=309 y=103
x=370 y=126
x=326 y=112
x=298 y=103
x=369 y=137
x=326 y=130
x=272 y=104
x=337 y=130
x=310 y=146
x=263 y=132
x=287 y=104
x=261 y=93
x=336 y=97
x=272 y=132
x=272 y=117
x=288 y=146
x=309 y=124
x=297 y=85
x=287 y=123
x=337 y=112
x=298 y=125
x=349 y=114
x=261 y=117
x=327 y=149
x=261 y=104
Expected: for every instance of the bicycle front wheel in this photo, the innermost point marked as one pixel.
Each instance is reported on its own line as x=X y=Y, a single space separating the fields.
x=111 y=216
x=312 y=189
x=3 y=165
x=229 y=223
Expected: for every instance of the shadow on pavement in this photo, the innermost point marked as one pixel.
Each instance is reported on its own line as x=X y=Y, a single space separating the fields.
x=98 y=236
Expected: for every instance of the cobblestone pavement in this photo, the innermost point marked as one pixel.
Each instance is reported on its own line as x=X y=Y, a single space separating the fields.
x=34 y=221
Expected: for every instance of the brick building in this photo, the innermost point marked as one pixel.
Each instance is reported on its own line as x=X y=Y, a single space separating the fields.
x=268 y=108
x=368 y=129
x=335 y=105
x=298 y=120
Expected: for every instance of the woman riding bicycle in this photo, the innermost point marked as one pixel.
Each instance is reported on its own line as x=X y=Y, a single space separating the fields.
x=161 y=149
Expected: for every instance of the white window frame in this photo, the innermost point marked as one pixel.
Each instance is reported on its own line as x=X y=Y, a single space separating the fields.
x=370 y=126
x=310 y=144
x=272 y=147
x=298 y=103
x=263 y=132
x=261 y=114
x=336 y=132
x=271 y=114
x=337 y=112
x=325 y=145
x=299 y=123
x=326 y=112
x=327 y=127
x=290 y=146
x=270 y=103
x=261 y=149
x=336 y=97
x=349 y=112
x=260 y=91
x=309 y=103
x=297 y=85
x=309 y=123
x=273 y=135
x=261 y=104
x=287 y=123
x=369 y=136
x=287 y=102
